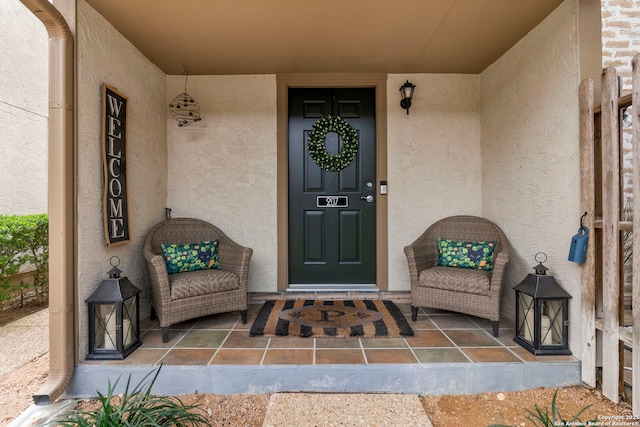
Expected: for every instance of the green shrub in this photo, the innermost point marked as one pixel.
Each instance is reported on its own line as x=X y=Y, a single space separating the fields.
x=540 y=418
x=136 y=408
x=24 y=239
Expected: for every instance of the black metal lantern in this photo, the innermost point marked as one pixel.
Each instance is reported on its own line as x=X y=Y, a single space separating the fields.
x=114 y=317
x=542 y=313
x=406 y=90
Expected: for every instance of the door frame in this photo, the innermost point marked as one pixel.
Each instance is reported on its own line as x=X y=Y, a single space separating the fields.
x=284 y=82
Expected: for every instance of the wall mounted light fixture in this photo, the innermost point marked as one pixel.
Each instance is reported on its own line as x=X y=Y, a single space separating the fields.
x=406 y=90
x=184 y=108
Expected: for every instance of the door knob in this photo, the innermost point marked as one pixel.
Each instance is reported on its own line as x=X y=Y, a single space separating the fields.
x=368 y=198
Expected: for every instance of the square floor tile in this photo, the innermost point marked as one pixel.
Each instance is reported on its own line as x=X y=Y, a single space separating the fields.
x=203 y=339
x=490 y=355
x=288 y=357
x=347 y=342
x=218 y=321
x=192 y=356
x=527 y=356
x=390 y=356
x=237 y=357
x=452 y=321
x=140 y=356
x=153 y=338
x=471 y=338
x=440 y=355
x=383 y=342
x=291 y=342
x=421 y=322
x=353 y=357
x=187 y=324
x=432 y=338
x=241 y=339
x=506 y=337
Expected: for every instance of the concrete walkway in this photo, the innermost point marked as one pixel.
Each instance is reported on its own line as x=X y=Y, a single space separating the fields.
x=24 y=340
x=346 y=410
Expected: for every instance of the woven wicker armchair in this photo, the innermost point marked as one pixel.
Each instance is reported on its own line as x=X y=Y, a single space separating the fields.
x=463 y=290
x=182 y=296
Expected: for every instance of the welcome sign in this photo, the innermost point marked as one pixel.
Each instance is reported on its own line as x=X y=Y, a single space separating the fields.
x=114 y=137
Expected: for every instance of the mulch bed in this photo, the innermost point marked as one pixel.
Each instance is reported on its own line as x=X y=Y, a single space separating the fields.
x=13 y=309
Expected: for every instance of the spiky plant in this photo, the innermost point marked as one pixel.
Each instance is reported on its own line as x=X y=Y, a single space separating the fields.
x=540 y=418
x=137 y=407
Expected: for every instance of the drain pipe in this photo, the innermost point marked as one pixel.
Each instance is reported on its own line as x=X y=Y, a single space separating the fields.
x=61 y=201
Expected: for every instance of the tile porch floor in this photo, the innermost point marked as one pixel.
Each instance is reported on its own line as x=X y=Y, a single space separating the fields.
x=449 y=354
x=222 y=339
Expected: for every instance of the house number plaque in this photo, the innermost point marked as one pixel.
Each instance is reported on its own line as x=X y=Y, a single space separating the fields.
x=332 y=201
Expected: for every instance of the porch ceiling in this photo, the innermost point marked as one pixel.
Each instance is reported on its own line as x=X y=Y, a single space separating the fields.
x=216 y=37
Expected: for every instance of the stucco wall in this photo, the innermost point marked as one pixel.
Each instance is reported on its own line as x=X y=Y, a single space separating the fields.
x=530 y=157
x=24 y=91
x=223 y=168
x=434 y=167
x=106 y=57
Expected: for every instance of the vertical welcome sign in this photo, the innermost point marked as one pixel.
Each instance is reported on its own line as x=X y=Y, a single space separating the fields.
x=114 y=144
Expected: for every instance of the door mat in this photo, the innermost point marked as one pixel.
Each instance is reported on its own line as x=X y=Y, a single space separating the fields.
x=349 y=318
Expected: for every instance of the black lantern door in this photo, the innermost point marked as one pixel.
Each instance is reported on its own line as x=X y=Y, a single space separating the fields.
x=114 y=318
x=542 y=313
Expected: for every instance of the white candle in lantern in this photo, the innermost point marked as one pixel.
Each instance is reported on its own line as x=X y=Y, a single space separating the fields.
x=528 y=327
x=110 y=340
x=128 y=332
x=546 y=334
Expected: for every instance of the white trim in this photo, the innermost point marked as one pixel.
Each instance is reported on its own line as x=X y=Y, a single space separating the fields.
x=332 y=287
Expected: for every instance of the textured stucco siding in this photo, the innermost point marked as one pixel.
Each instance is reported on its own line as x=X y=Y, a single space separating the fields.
x=530 y=153
x=433 y=157
x=223 y=168
x=503 y=145
x=105 y=56
x=24 y=91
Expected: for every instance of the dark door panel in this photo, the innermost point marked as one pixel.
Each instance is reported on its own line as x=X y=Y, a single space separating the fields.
x=331 y=225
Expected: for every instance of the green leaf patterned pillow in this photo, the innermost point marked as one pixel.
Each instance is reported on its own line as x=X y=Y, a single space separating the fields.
x=476 y=255
x=190 y=257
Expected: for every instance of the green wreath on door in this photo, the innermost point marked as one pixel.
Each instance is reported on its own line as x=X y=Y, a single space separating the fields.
x=318 y=149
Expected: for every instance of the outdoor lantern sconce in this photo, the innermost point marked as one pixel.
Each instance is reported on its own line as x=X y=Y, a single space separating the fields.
x=114 y=317
x=406 y=90
x=542 y=313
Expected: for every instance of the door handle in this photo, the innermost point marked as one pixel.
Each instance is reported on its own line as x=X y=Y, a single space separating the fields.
x=368 y=198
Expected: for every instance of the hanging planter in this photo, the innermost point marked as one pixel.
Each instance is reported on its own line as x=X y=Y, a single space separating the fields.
x=318 y=150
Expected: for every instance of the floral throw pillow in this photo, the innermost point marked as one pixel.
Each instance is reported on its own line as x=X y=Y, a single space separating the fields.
x=190 y=257
x=476 y=255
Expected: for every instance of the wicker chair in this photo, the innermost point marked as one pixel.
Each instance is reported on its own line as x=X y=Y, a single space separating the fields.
x=463 y=290
x=182 y=296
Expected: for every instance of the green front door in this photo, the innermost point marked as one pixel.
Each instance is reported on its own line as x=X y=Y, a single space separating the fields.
x=332 y=215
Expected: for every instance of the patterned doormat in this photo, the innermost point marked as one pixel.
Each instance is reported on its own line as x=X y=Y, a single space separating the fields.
x=350 y=318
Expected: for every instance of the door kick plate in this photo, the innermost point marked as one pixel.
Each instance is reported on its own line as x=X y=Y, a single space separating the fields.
x=332 y=201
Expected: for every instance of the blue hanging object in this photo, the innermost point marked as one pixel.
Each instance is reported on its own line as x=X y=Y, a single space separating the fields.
x=578 y=250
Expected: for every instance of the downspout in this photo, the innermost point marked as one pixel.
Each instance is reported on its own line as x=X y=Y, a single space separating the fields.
x=60 y=201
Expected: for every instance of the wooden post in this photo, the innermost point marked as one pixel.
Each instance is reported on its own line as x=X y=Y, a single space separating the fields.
x=587 y=190
x=611 y=234
x=635 y=363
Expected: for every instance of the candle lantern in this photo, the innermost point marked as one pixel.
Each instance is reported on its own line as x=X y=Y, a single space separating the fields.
x=542 y=313
x=114 y=317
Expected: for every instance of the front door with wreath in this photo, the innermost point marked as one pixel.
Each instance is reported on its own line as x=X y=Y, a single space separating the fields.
x=332 y=187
